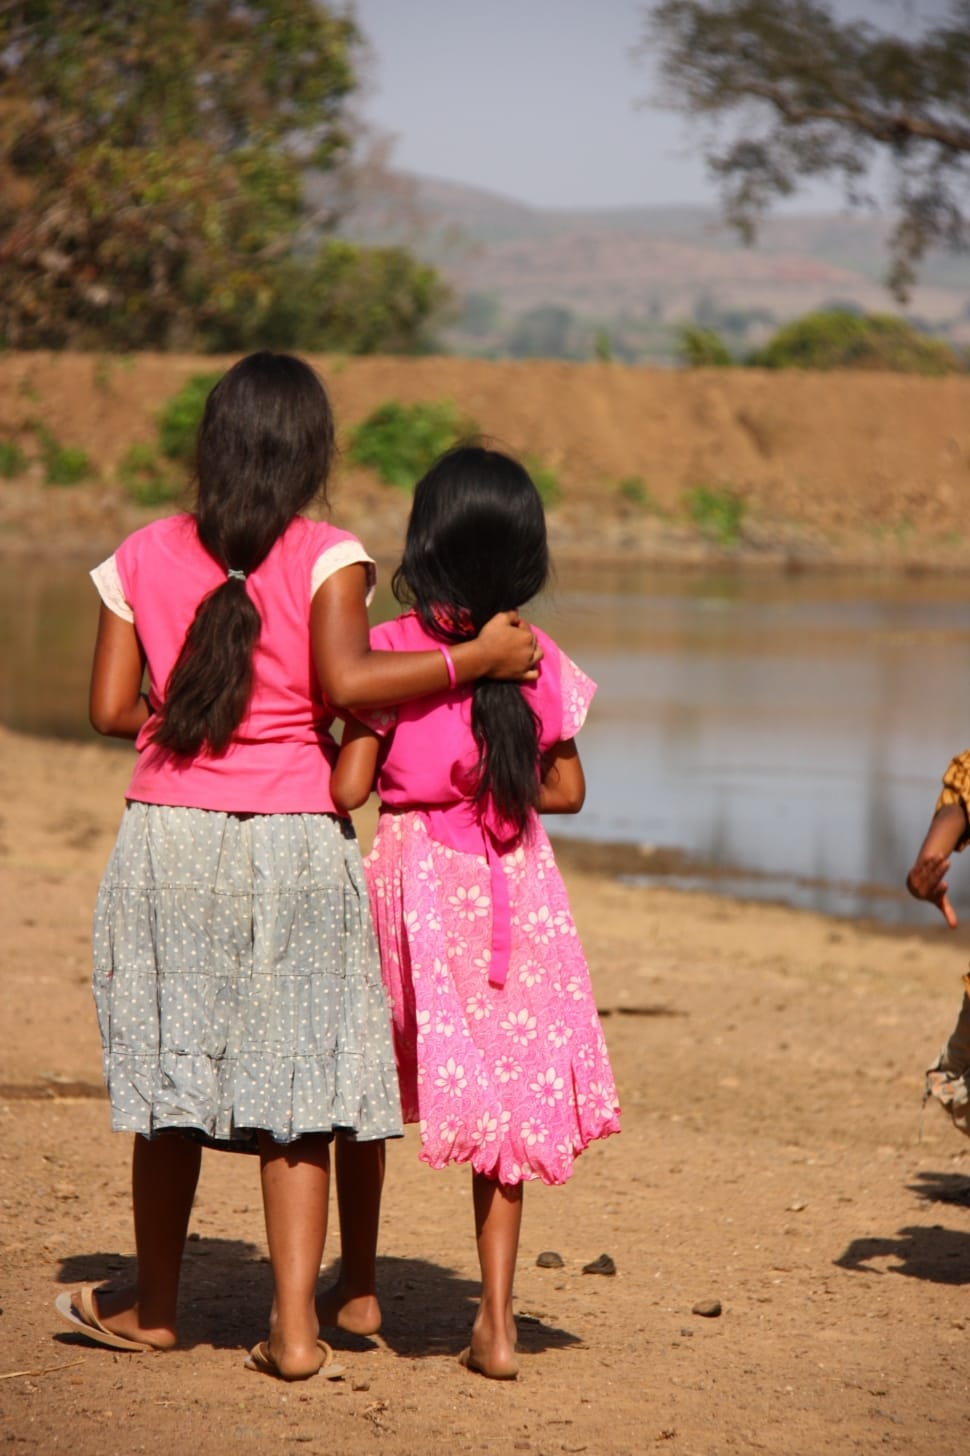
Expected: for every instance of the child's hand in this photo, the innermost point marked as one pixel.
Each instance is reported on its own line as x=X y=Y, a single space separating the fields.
x=510 y=648
x=927 y=881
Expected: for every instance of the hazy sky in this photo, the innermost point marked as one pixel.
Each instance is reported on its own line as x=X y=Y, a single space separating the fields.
x=537 y=99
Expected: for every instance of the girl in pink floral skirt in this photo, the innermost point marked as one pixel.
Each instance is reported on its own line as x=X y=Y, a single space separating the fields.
x=501 y=1056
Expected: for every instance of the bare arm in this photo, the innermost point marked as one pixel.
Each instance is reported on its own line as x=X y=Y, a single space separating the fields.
x=563 y=787
x=927 y=878
x=354 y=676
x=116 y=706
x=356 y=767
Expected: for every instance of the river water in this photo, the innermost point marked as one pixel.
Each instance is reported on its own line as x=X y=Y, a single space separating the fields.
x=786 y=732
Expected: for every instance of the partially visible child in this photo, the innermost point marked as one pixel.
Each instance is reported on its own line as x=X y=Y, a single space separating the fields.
x=500 y=1052
x=948 y=1079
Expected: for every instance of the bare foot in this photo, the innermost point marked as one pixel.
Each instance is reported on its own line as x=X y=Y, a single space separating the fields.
x=492 y=1350
x=118 y=1311
x=358 y=1314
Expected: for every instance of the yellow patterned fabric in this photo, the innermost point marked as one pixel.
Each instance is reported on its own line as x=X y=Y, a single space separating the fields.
x=956 y=790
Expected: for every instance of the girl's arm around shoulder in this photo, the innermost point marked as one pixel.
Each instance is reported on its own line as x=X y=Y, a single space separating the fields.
x=563 y=786
x=116 y=705
x=352 y=675
x=356 y=767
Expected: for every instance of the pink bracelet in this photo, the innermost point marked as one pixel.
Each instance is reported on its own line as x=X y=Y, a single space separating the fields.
x=450 y=665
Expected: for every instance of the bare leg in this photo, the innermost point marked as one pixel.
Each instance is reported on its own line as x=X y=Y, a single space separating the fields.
x=498 y=1219
x=351 y=1303
x=296 y=1187
x=164 y=1174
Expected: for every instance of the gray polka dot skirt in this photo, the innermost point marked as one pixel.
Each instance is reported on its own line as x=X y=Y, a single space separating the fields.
x=236 y=979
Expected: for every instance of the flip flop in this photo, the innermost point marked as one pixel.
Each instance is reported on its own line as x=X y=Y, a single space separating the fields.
x=469 y=1361
x=260 y=1359
x=86 y=1320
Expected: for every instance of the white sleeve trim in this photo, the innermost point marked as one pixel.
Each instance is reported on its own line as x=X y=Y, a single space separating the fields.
x=335 y=558
x=110 y=590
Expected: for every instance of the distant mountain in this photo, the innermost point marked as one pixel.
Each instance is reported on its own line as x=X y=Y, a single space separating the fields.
x=548 y=280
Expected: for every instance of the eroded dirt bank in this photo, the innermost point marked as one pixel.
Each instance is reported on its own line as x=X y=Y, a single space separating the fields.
x=834 y=469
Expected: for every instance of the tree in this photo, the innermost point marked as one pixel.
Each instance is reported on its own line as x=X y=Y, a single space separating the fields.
x=700 y=348
x=152 y=161
x=814 y=97
x=544 y=332
x=838 y=339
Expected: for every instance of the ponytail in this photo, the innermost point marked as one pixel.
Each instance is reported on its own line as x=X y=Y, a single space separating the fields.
x=507 y=734
x=264 y=451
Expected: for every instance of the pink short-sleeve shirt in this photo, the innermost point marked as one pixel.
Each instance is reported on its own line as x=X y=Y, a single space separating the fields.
x=280 y=756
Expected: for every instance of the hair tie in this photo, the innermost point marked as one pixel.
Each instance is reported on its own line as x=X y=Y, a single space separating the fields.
x=233 y=574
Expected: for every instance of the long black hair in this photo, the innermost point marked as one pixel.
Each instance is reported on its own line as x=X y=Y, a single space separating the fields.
x=264 y=451
x=476 y=545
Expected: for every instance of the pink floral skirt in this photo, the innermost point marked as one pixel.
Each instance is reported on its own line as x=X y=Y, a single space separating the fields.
x=514 y=1080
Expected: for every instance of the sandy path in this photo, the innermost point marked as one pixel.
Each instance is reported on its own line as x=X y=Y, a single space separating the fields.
x=769 y=1064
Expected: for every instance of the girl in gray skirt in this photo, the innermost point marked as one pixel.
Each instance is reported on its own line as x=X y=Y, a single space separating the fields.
x=236 y=978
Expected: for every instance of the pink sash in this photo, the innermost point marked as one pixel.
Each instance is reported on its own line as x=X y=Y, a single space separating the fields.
x=474 y=828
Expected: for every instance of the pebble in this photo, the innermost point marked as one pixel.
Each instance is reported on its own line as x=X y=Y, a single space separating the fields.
x=603 y=1265
x=709 y=1308
x=549 y=1259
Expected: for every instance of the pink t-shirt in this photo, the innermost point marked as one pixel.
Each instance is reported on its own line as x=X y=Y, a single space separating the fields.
x=430 y=762
x=279 y=758
x=432 y=756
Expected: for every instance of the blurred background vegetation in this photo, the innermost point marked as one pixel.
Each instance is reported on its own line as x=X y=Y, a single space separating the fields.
x=193 y=176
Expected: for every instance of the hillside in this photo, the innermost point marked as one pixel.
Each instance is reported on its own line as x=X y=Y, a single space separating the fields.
x=825 y=469
x=638 y=272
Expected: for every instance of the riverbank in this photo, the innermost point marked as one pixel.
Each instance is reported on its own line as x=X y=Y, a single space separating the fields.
x=833 y=471
x=774 y=1158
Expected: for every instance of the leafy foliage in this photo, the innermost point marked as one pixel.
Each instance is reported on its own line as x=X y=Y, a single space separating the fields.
x=545 y=332
x=839 y=339
x=13 y=461
x=400 y=441
x=702 y=348
x=146 y=478
x=816 y=97
x=545 y=480
x=717 y=511
x=347 y=299
x=151 y=172
x=178 y=423
x=63 y=464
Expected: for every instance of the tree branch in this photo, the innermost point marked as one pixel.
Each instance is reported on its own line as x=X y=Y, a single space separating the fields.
x=892 y=129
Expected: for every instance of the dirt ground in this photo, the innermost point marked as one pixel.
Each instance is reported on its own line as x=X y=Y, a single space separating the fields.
x=842 y=469
x=774 y=1157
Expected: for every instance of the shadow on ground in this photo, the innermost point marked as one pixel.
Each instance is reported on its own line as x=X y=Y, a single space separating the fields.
x=931 y=1252
x=227 y=1289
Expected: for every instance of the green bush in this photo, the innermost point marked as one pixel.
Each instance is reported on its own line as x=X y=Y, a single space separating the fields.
x=146 y=479
x=13 y=461
x=63 y=464
x=700 y=348
x=717 y=512
x=633 y=489
x=545 y=480
x=178 y=423
x=400 y=441
x=840 y=339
